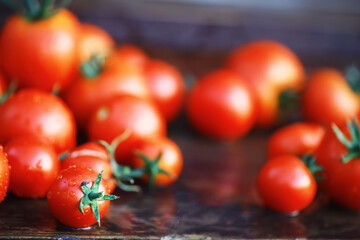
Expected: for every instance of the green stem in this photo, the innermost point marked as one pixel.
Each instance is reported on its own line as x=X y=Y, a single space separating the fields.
x=92 y=68
x=10 y=90
x=310 y=162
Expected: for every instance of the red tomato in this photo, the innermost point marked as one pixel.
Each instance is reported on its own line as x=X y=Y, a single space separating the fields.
x=66 y=193
x=94 y=40
x=296 y=139
x=4 y=174
x=269 y=67
x=2 y=85
x=91 y=155
x=167 y=87
x=171 y=160
x=132 y=55
x=286 y=185
x=41 y=54
x=123 y=112
x=327 y=98
x=85 y=95
x=221 y=106
x=35 y=112
x=34 y=166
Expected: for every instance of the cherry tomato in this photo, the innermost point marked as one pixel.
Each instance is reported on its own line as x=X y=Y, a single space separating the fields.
x=41 y=54
x=94 y=40
x=36 y=112
x=327 y=98
x=167 y=87
x=123 y=112
x=171 y=160
x=117 y=78
x=67 y=192
x=91 y=155
x=286 y=184
x=132 y=55
x=295 y=139
x=221 y=105
x=4 y=174
x=269 y=67
x=34 y=166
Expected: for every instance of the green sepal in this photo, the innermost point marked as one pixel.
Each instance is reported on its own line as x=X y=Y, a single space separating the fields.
x=93 y=67
x=352 y=76
x=314 y=168
x=9 y=91
x=92 y=196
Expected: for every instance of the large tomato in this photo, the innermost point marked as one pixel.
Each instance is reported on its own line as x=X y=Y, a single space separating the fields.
x=4 y=174
x=327 y=98
x=123 y=112
x=36 y=112
x=94 y=40
x=221 y=105
x=286 y=184
x=42 y=53
x=269 y=67
x=296 y=139
x=116 y=78
x=34 y=166
x=167 y=87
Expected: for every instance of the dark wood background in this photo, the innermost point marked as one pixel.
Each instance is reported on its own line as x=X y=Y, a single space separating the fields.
x=215 y=197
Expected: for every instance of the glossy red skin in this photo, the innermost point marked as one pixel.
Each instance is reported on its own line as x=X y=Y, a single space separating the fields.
x=327 y=98
x=4 y=174
x=295 y=139
x=286 y=185
x=221 y=106
x=94 y=40
x=65 y=193
x=34 y=166
x=167 y=87
x=123 y=112
x=269 y=67
x=171 y=160
x=39 y=113
x=132 y=55
x=89 y=155
x=117 y=78
x=41 y=54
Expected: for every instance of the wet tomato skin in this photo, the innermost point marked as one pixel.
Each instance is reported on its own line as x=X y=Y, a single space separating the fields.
x=34 y=165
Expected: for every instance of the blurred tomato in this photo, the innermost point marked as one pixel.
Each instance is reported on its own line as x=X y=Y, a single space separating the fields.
x=167 y=87
x=39 y=113
x=41 y=54
x=4 y=174
x=270 y=68
x=123 y=112
x=221 y=105
x=2 y=85
x=132 y=55
x=295 y=139
x=327 y=98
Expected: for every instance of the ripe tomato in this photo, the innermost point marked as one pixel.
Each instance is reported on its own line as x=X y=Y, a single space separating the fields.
x=171 y=160
x=285 y=184
x=123 y=112
x=69 y=192
x=132 y=55
x=221 y=105
x=4 y=174
x=94 y=40
x=2 y=85
x=327 y=98
x=269 y=67
x=167 y=87
x=41 y=54
x=117 y=78
x=296 y=139
x=89 y=155
x=35 y=112
x=34 y=166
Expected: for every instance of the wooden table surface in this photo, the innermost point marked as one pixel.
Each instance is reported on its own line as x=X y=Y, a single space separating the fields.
x=215 y=196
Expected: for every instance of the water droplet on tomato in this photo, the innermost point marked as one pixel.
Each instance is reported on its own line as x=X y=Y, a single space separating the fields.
x=72 y=183
x=71 y=193
x=59 y=177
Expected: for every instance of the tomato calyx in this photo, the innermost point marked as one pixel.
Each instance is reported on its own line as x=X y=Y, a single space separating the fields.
x=151 y=168
x=352 y=76
x=33 y=10
x=289 y=102
x=314 y=168
x=353 y=144
x=93 y=67
x=92 y=196
x=121 y=173
x=10 y=90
